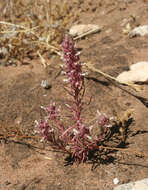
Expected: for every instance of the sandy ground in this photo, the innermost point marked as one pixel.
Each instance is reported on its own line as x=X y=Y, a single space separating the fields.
x=27 y=164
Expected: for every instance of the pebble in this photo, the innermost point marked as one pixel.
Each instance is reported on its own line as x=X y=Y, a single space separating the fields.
x=115 y=181
x=45 y=84
x=138 y=185
x=139 y=31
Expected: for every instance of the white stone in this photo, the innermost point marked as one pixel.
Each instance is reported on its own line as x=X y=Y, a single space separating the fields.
x=138 y=185
x=142 y=65
x=45 y=84
x=116 y=181
x=139 y=31
x=79 y=29
x=138 y=73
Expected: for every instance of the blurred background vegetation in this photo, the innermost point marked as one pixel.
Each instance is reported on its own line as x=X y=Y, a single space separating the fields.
x=30 y=28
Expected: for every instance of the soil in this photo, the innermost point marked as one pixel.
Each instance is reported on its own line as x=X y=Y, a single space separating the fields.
x=28 y=164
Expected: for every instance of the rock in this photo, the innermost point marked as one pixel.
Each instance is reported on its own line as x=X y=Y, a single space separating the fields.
x=139 y=66
x=138 y=185
x=82 y=28
x=45 y=84
x=139 y=31
x=138 y=73
x=115 y=181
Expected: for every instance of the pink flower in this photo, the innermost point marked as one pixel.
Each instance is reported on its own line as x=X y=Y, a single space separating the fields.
x=73 y=68
x=103 y=120
x=52 y=111
x=44 y=130
x=74 y=138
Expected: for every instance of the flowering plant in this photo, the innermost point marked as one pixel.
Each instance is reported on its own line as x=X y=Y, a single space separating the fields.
x=77 y=138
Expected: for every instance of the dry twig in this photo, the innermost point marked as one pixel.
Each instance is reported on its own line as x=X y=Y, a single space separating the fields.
x=91 y=67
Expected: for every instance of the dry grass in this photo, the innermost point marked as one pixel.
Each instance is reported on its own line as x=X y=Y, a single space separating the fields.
x=32 y=26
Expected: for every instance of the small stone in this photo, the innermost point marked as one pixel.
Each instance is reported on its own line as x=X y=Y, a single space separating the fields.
x=138 y=73
x=45 y=84
x=139 y=31
x=115 y=181
x=14 y=65
x=138 y=185
x=82 y=28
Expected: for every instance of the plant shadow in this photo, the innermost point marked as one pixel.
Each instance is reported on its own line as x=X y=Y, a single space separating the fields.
x=138 y=132
x=104 y=83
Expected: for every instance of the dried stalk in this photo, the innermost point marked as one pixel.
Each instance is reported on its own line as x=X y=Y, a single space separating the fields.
x=11 y=24
x=133 y=86
x=87 y=33
x=31 y=30
x=43 y=61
